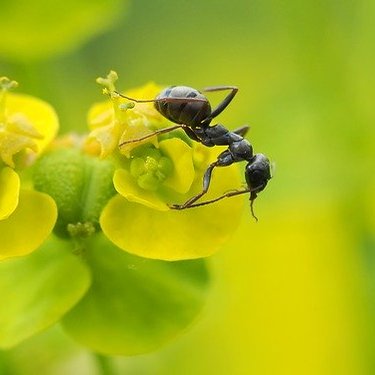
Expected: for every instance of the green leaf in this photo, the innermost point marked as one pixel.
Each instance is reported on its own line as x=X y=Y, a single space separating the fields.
x=37 y=290
x=135 y=304
x=28 y=226
x=43 y=28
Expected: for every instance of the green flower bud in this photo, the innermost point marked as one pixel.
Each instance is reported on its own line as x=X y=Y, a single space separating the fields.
x=165 y=166
x=137 y=167
x=148 y=182
x=80 y=185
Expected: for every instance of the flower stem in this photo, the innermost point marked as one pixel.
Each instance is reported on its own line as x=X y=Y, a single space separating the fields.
x=4 y=365
x=105 y=365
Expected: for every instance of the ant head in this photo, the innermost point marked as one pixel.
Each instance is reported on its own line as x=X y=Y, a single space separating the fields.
x=257 y=174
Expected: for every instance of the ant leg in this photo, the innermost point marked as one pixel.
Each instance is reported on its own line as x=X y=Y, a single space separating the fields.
x=223 y=160
x=206 y=184
x=242 y=130
x=226 y=195
x=253 y=195
x=229 y=194
x=220 y=108
x=191 y=134
x=157 y=132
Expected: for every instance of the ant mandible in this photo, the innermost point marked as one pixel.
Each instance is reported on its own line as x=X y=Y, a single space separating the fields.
x=191 y=111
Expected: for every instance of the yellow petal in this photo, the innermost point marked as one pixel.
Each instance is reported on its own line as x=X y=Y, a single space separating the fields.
x=11 y=144
x=107 y=138
x=28 y=226
x=39 y=114
x=175 y=235
x=9 y=191
x=146 y=92
x=136 y=127
x=126 y=185
x=100 y=114
x=181 y=155
x=19 y=124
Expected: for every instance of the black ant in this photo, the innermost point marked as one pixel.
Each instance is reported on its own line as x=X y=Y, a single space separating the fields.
x=191 y=110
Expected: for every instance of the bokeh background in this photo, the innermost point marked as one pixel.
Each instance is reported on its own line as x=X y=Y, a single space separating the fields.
x=295 y=292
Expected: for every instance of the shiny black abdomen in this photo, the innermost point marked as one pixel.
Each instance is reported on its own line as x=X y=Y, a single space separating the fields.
x=183 y=112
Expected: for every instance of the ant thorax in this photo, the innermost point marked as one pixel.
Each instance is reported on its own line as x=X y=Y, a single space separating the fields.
x=241 y=150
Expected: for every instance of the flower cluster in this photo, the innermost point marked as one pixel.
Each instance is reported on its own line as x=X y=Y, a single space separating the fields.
x=27 y=126
x=91 y=218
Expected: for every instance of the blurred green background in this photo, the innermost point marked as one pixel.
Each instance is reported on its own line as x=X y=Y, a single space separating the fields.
x=294 y=293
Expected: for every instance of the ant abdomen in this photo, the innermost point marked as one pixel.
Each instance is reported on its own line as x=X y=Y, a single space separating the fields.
x=180 y=111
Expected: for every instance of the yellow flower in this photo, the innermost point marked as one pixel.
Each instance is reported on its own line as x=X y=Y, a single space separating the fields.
x=71 y=191
x=112 y=122
x=154 y=173
x=27 y=125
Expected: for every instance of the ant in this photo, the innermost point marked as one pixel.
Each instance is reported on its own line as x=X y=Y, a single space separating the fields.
x=191 y=111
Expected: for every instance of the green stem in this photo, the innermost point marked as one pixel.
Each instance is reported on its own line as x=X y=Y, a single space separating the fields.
x=105 y=365
x=4 y=365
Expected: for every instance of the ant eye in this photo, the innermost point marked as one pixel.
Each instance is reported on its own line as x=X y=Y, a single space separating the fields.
x=192 y=94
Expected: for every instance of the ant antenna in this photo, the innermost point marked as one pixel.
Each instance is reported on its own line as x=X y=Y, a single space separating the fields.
x=135 y=100
x=253 y=196
x=162 y=100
